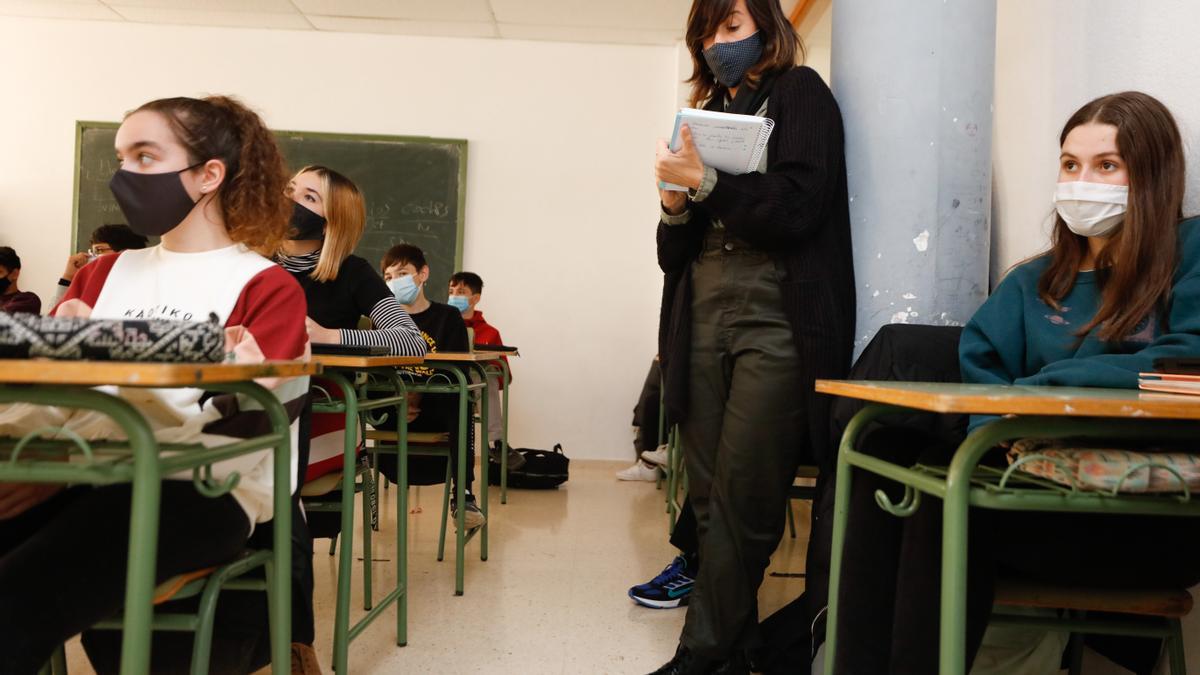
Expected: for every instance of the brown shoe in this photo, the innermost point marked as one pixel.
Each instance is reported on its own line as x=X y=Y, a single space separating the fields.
x=304 y=660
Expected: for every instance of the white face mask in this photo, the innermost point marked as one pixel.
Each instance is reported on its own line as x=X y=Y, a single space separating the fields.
x=1091 y=209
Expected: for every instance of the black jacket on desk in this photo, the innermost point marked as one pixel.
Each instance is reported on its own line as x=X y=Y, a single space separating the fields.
x=798 y=211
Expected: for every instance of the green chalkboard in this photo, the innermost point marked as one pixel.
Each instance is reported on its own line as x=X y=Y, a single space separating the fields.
x=415 y=189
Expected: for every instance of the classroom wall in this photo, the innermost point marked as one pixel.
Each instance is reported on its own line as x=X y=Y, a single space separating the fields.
x=561 y=206
x=1051 y=58
x=818 y=39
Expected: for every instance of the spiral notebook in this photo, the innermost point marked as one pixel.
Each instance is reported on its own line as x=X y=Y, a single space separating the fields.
x=727 y=142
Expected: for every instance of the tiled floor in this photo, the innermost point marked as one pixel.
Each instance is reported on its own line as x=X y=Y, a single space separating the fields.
x=550 y=598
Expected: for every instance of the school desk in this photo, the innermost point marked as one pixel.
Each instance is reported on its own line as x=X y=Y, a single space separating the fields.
x=352 y=375
x=1031 y=412
x=144 y=462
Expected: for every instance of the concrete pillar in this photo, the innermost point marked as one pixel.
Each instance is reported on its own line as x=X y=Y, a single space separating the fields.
x=914 y=81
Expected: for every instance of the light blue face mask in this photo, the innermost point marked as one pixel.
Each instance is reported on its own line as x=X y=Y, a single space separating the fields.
x=459 y=302
x=405 y=289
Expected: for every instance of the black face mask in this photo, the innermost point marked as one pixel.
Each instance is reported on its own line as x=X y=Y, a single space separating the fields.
x=153 y=203
x=306 y=225
x=4 y=284
x=729 y=61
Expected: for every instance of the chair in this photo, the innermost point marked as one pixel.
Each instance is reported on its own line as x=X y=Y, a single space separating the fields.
x=1140 y=612
x=803 y=492
x=324 y=494
x=676 y=477
x=432 y=444
x=207 y=584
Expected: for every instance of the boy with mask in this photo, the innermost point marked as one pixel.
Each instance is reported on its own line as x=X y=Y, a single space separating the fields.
x=12 y=299
x=466 y=289
x=405 y=270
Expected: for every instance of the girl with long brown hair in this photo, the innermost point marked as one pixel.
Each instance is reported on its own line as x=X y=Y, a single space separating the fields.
x=207 y=177
x=758 y=302
x=1119 y=287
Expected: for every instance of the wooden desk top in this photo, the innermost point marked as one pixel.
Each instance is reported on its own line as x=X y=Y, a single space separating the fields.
x=143 y=374
x=494 y=355
x=466 y=357
x=343 y=361
x=989 y=399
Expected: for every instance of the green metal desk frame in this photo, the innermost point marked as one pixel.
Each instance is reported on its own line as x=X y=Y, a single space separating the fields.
x=353 y=383
x=145 y=463
x=500 y=368
x=454 y=377
x=964 y=484
x=676 y=478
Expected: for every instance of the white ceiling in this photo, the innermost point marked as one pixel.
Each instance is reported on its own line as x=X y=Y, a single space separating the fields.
x=644 y=22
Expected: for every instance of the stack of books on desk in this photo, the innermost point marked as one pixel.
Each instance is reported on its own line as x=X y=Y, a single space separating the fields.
x=1173 y=376
x=1170 y=383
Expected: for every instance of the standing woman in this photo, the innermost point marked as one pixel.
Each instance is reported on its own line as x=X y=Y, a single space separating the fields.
x=758 y=303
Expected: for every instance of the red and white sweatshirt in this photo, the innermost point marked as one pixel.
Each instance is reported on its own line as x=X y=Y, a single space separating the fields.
x=263 y=310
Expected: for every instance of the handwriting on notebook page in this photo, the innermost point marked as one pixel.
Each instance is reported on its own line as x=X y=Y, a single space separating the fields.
x=720 y=137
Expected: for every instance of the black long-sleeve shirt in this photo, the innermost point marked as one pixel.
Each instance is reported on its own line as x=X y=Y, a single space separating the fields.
x=798 y=211
x=357 y=291
x=443 y=328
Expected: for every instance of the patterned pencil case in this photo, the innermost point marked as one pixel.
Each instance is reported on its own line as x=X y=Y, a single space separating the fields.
x=31 y=336
x=1114 y=470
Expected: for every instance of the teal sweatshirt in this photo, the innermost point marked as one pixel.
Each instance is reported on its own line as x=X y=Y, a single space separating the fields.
x=1015 y=338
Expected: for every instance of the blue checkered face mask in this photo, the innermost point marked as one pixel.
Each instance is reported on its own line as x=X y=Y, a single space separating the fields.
x=729 y=61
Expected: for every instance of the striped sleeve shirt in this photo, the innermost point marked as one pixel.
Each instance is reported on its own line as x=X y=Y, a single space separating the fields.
x=357 y=291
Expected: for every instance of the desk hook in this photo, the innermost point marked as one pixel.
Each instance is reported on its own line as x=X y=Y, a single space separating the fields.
x=906 y=507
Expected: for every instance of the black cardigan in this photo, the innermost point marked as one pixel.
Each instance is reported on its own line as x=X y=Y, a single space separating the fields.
x=799 y=212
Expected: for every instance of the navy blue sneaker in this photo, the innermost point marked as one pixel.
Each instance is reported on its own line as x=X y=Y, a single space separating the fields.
x=669 y=589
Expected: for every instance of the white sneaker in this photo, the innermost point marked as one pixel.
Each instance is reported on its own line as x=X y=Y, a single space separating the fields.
x=639 y=471
x=656 y=456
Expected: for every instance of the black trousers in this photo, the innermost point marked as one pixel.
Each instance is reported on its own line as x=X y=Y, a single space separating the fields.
x=741 y=439
x=241 y=633
x=62 y=563
x=646 y=412
x=685 y=537
x=888 y=611
x=439 y=413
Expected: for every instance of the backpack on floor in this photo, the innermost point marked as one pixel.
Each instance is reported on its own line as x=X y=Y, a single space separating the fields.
x=543 y=469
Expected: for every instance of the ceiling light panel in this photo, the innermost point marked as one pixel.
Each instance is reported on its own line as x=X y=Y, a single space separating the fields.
x=206 y=17
x=633 y=14
x=413 y=10
x=267 y=6
x=466 y=29
x=57 y=9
